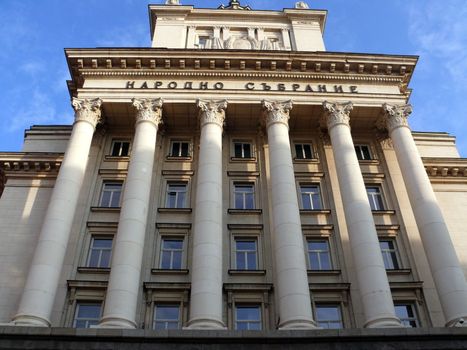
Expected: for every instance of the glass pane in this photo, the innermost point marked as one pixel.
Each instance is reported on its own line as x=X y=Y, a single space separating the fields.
x=112 y=187
x=366 y=152
x=177 y=260
x=314 y=261
x=299 y=151
x=105 y=199
x=238 y=150
x=116 y=149
x=94 y=258
x=307 y=149
x=246 y=245
x=242 y=326
x=171 y=199
x=185 y=149
x=247 y=150
x=173 y=244
x=181 y=200
x=254 y=326
x=401 y=311
x=167 y=312
x=89 y=311
x=316 y=201
x=249 y=201
x=125 y=149
x=165 y=260
x=102 y=243
x=239 y=201
x=251 y=261
x=327 y=313
x=306 y=201
x=241 y=263
x=175 y=149
x=115 y=199
x=248 y=313
x=80 y=324
x=159 y=326
x=105 y=259
x=318 y=245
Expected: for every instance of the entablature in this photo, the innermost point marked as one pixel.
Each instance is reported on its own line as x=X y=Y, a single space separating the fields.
x=18 y=164
x=446 y=169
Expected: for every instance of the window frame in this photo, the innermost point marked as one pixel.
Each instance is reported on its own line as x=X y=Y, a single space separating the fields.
x=414 y=308
x=338 y=306
x=167 y=196
x=166 y=231
x=303 y=143
x=244 y=194
x=167 y=321
x=374 y=205
x=300 y=196
x=90 y=250
x=180 y=141
x=251 y=238
x=329 y=253
x=360 y=153
x=238 y=306
x=243 y=141
x=395 y=259
x=172 y=237
x=121 y=141
x=87 y=303
x=101 y=194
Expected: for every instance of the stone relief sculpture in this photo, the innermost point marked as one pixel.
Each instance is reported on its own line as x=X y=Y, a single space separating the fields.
x=172 y=2
x=301 y=5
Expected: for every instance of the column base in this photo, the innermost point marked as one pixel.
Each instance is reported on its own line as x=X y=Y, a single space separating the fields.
x=297 y=325
x=460 y=322
x=388 y=322
x=115 y=322
x=30 y=321
x=205 y=323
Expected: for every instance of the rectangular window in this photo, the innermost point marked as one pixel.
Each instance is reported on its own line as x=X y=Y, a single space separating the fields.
x=319 y=256
x=111 y=194
x=244 y=196
x=171 y=257
x=246 y=254
x=375 y=197
x=248 y=317
x=166 y=317
x=120 y=148
x=329 y=316
x=363 y=152
x=203 y=41
x=303 y=151
x=242 y=150
x=310 y=197
x=100 y=252
x=87 y=314
x=407 y=315
x=179 y=149
x=389 y=252
x=176 y=195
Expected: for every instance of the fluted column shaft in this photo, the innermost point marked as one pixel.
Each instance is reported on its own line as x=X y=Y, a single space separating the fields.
x=41 y=285
x=206 y=284
x=373 y=284
x=293 y=292
x=124 y=282
x=444 y=264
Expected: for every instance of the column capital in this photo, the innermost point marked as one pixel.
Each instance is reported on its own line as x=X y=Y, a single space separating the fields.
x=337 y=113
x=212 y=112
x=277 y=112
x=87 y=110
x=148 y=110
x=395 y=116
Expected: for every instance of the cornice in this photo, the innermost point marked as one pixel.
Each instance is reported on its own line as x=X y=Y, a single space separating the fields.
x=30 y=164
x=451 y=169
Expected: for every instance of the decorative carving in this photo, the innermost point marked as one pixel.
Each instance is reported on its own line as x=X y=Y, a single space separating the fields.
x=148 y=110
x=234 y=5
x=301 y=5
x=212 y=112
x=394 y=117
x=87 y=110
x=336 y=113
x=172 y=2
x=277 y=112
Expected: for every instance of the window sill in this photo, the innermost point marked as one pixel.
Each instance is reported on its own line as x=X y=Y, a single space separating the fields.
x=116 y=159
x=105 y=209
x=306 y=160
x=175 y=210
x=243 y=160
x=323 y=272
x=100 y=270
x=248 y=272
x=315 y=211
x=178 y=159
x=369 y=162
x=245 y=211
x=169 y=272
x=383 y=212
x=399 y=272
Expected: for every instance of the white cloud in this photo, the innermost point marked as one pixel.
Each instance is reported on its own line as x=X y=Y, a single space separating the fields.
x=134 y=36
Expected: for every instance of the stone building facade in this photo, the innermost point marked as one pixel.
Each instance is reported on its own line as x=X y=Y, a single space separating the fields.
x=234 y=176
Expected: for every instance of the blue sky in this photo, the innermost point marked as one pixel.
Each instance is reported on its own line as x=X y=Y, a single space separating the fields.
x=34 y=33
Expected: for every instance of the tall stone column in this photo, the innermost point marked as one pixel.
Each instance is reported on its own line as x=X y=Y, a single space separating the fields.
x=206 y=284
x=444 y=265
x=124 y=282
x=41 y=285
x=293 y=292
x=373 y=284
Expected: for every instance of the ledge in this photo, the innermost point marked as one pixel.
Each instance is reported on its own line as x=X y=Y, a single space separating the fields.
x=323 y=272
x=306 y=160
x=169 y=272
x=116 y=159
x=395 y=272
x=245 y=211
x=178 y=159
x=242 y=160
x=247 y=272
x=369 y=162
x=105 y=209
x=383 y=212
x=175 y=210
x=99 y=270
x=315 y=211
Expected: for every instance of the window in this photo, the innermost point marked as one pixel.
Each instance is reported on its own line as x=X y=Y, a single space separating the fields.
x=171 y=257
x=179 y=149
x=120 y=148
x=303 y=151
x=246 y=254
x=100 y=252
x=166 y=317
x=87 y=314
x=176 y=195
x=329 y=316
x=244 y=196
x=248 y=317
x=310 y=197
x=363 y=152
x=407 y=315
x=319 y=256
x=242 y=150
x=111 y=194
x=203 y=41
x=375 y=197
x=389 y=252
